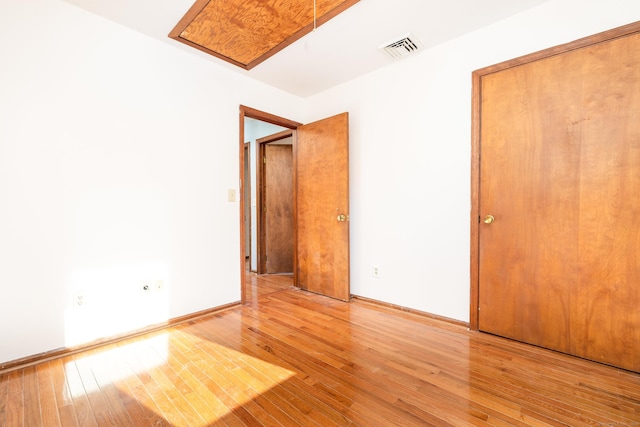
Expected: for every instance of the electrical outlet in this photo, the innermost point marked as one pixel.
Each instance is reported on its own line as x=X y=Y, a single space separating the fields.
x=79 y=299
x=375 y=271
x=146 y=286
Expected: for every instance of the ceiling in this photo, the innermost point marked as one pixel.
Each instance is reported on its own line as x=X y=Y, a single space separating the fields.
x=342 y=49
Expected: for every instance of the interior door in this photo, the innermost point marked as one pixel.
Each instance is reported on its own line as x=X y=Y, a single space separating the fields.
x=322 y=207
x=278 y=206
x=559 y=211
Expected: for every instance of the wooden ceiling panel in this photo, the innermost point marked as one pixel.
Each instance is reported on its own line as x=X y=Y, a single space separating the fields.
x=247 y=32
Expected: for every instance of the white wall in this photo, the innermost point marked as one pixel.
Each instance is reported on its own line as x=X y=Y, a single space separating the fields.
x=411 y=146
x=116 y=153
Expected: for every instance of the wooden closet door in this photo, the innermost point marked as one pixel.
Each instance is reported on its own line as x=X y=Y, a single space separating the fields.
x=606 y=308
x=278 y=203
x=560 y=173
x=529 y=183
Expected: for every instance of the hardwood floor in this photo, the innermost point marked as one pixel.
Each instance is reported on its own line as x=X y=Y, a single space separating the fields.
x=288 y=357
x=257 y=286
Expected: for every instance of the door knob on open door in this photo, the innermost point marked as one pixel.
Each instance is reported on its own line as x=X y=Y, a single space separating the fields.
x=342 y=217
x=489 y=219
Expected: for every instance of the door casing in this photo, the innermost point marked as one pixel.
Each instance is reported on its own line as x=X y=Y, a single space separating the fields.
x=246 y=196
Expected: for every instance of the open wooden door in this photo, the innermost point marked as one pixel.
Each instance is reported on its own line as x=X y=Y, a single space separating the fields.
x=557 y=199
x=321 y=156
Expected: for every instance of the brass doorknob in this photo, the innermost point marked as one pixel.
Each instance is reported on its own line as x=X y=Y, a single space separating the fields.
x=342 y=217
x=489 y=219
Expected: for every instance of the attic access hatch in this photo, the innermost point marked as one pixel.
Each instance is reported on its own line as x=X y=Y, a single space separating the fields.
x=247 y=32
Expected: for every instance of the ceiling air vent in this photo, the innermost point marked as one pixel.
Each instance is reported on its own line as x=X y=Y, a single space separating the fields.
x=403 y=46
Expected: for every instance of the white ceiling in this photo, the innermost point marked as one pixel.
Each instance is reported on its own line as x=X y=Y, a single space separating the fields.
x=342 y=49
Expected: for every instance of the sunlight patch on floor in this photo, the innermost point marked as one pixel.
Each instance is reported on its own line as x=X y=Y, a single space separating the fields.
x=211 y=388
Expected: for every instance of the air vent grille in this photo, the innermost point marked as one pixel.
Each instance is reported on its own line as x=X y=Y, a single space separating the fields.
x=403 y=46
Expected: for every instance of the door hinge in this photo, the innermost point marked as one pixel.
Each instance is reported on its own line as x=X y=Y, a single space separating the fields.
x=264 y=160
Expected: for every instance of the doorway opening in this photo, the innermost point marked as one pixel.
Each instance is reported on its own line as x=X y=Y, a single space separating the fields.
x=320 y=206
x=275 y=220
x=258 y=130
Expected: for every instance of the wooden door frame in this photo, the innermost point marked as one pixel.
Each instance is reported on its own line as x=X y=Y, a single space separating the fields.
x=247 y=188
x=260 y=195
x=269 y=118
x=477 y=75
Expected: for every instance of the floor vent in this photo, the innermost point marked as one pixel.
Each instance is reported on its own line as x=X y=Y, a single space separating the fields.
x=405 y=45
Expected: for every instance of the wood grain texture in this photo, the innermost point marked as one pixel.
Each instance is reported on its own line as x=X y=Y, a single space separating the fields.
x=559 y=159
x=246 y=33
x=260 y=285
x=284 y=195
x=529 y=182
x=278 y=202
x=292 y=358
x=244 y=208
x=607 y=297
x=322 y=194
x=476 y=132
x=266 y=117
x=474 y=219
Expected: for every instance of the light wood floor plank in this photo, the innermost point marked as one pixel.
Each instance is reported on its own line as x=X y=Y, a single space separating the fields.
x=81 y=405
x=47 y=396
x=31 y=392
x=14 y=410
x=144 y=362
x=63 y=398
x=4 y=392
x=141 y=406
